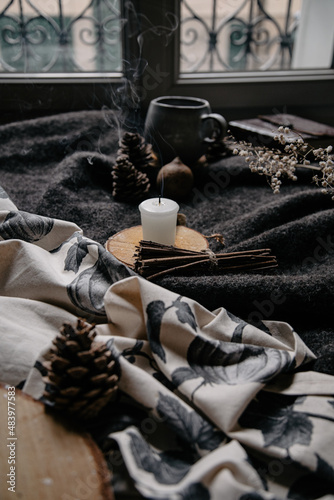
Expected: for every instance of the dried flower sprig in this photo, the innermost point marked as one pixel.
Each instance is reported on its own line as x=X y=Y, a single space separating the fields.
x=326 y=177
x=277 y=163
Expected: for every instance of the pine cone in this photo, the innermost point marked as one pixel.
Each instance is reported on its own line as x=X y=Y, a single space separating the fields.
x=81 y=375
x=128 y=183
x=140 y=153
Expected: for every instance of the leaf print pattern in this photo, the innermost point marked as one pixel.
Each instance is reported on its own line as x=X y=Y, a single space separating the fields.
x=261 y=326
x=189 y=425
x=76 y=253
x=275 y=416
x=88 y=288
x=237 y=334
x=155 y=311
x=279 y=420
x=75 y=236
x=184 y=313
x=183 y=374
x=215 y=362
x=158 y=375
x=116 y=355
x=25 y=226
x=314 y=485
x=131 y=352
x=167 y=467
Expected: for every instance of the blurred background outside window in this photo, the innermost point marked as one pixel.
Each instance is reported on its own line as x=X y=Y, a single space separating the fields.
x=85 y=36
x=60 y=36
x=251 y=35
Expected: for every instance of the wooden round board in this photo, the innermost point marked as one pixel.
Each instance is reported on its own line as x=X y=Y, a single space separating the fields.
x=123 y=244
x=44 y=458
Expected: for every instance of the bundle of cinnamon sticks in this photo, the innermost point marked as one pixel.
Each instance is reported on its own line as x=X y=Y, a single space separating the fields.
x=154 y=260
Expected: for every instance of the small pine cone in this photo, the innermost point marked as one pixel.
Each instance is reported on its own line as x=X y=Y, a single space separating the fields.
x=140 y=153
x=129 y=184
x=81 y=372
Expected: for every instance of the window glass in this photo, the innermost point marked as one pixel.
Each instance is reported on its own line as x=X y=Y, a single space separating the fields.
x=255 y=35
x=52 y=36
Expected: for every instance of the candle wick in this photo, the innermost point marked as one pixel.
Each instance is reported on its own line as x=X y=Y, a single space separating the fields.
x=159 y=199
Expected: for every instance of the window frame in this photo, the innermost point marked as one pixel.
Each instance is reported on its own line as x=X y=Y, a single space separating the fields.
x=309 y=93
x=236 y=95
x=36 y=94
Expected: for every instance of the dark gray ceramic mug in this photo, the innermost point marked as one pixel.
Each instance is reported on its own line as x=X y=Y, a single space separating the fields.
x=182 y=126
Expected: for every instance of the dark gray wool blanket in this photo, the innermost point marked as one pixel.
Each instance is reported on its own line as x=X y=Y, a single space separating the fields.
x=59 y=166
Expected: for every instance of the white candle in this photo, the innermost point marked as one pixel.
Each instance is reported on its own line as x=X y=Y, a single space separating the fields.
x=158 y=219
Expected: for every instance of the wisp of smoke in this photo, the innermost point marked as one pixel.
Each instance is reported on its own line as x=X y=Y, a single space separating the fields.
x=127 y=97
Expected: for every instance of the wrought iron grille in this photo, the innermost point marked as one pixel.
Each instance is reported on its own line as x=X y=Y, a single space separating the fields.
x=237 y=35
x=39 y=36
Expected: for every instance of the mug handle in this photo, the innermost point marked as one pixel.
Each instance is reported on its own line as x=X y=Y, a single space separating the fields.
x=222 y=126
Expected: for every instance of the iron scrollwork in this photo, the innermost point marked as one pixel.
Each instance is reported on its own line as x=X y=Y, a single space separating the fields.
x=32 y=40
x=240 y=40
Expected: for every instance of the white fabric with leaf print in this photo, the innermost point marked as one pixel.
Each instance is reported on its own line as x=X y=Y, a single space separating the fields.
x=210 y=406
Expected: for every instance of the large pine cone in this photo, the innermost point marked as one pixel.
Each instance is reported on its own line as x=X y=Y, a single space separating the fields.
x=140 y=153
x=129 y=184
x=82 y=376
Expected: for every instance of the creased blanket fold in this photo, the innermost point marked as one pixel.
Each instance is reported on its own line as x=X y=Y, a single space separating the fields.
x=226 y=385
x=221 y=407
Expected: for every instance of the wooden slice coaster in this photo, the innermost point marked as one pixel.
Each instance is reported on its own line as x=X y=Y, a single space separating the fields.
x=49 y=460
x=123 y=244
